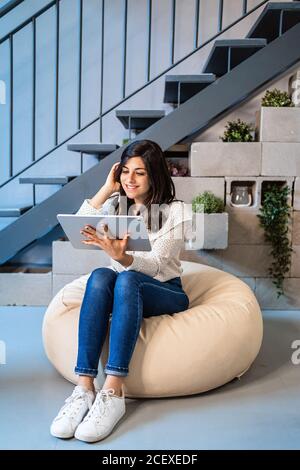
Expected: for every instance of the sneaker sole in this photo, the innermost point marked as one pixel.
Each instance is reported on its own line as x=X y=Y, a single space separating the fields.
x=91 y=439
x=61 y=436
x=82 y=437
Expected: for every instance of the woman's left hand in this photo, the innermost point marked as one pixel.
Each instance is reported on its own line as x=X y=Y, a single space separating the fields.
x=114 y=248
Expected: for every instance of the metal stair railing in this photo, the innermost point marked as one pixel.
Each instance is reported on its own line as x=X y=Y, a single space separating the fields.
x=32 y=20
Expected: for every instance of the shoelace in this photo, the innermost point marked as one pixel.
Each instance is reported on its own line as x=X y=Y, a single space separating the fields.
x=73 y=403
x=101 y=405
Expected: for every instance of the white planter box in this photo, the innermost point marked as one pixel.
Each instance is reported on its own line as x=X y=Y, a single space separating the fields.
x=210 y=231
x=225 y=159
x=278 y=124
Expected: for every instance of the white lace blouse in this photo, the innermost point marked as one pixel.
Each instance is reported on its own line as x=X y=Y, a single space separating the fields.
x=162 y=262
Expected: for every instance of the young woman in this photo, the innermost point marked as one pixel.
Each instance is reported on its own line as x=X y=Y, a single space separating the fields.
x=126 y=289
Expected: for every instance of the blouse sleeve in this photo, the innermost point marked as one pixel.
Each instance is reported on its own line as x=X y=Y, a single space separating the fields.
x=166 y=246
x=107 y=208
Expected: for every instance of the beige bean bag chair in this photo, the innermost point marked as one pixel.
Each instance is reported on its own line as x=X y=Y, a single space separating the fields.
x=206 y=346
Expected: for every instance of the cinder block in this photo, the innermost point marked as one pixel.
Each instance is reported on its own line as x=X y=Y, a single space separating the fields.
x=266 y=294
x=210 y=231
x=257 y=188
x=278 y=124
x=297 y=194
x=247 y=260
x=296 y=228
x=225 y=159
x=60 y=280
x=295 y=269
x=25 y=288
x=244 y=227
x=210 y=258
x=231 y=181
x=239 y=260
x=288 y=180
x=280 y=159
x=68 y=260
x=244 y=224
x=188 y=187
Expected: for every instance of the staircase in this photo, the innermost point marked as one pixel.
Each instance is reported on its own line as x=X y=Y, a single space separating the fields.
x=198 y=102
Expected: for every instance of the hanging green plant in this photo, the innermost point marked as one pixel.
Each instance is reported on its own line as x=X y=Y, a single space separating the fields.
x=274 y=218
x=276 y=98
x=237 y=131
x=207 y=201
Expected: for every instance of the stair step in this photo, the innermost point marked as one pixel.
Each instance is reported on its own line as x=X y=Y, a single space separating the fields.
x=46 y=180
x=240 y=50
x=100 y=150
x=13 y=211
x=25 y=269
x=189 y=86
x=139 y=119
x=267 y=24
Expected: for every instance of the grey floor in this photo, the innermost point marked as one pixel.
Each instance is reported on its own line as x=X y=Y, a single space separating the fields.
x=260 y=411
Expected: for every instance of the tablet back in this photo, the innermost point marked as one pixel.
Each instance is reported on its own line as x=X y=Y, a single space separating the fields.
x=118 y=225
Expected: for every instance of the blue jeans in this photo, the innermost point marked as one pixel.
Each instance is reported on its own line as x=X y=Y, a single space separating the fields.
x=128 y=296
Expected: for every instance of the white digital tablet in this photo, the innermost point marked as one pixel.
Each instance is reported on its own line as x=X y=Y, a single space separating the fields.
x=118 y=226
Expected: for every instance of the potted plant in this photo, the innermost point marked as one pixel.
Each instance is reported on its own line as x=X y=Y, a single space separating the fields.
x=238 y=131
x=274 y=218
x=237 y=154
x=210 y=222
x=276 y=99
x=178 y=166
x=278 y=118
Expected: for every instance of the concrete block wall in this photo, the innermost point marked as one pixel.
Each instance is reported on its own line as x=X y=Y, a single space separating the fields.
x=70 y=263
x=275 y=157
x=25 y=288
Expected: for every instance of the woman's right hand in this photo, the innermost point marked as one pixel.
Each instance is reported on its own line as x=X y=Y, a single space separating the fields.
x=111 y=185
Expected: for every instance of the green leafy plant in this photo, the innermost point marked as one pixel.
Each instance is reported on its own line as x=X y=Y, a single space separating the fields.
x=274 y=219
x=211 y=203
x=237 y=131
x=276 y=98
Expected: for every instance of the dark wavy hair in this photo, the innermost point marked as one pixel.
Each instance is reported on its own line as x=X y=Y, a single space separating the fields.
x=162 y=189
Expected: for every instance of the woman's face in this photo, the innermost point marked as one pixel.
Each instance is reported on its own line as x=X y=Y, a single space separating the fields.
x=135 y=180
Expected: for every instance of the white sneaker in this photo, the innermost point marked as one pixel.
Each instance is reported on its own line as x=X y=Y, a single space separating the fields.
x=106 y=411
x=72 y=412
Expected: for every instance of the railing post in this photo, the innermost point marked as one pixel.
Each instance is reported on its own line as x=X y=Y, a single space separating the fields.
x=280 y=22
x=80 y=65
x=178 y=94
x=196 y=36
x=33 y=195
x=229 y=60
x=149 y=39
x=220 y=15
x=101 y=73
x=56 y=72
x=124 y=48
x=11 y=104
x=173 y=19
x=33 y=85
